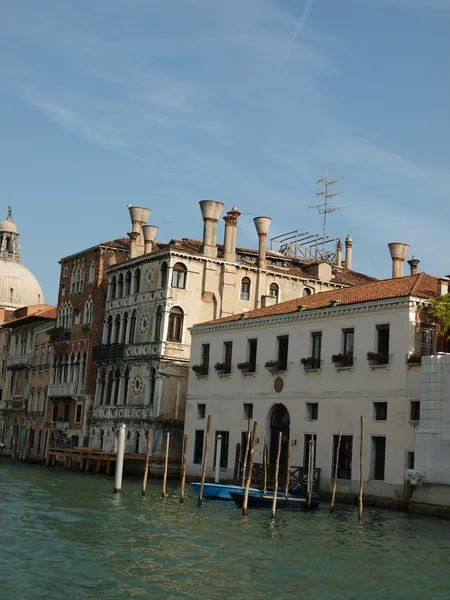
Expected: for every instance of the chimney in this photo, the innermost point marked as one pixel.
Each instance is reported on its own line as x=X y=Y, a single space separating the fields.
x=230 y=233
x=442 y=286
x=139 y=218
x=398 y=254
x=339 y=253
x=348 y=252
x=210 y=212
x=262 y=225
x=149 y=233
x=414 y=265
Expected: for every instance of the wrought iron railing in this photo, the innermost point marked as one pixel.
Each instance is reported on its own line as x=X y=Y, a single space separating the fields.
x=108 y=352
x=298 y=474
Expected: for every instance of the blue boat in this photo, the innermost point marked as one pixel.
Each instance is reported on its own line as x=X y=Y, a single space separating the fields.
x=220 y=491
x=296 y=499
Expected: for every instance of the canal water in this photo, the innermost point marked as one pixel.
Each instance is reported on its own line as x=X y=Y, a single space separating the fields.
x=66 y=535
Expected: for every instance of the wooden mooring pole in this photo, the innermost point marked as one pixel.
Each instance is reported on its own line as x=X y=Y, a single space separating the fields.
x=166 y=465
x=288 y=470
x=277 y=468
x=265 y=465
x=183 y=468
x=147 y=460
x=205 y=460
x=250 y=467
x=336 y=464
x=361 y=450
x=244 y=458
x=311 y=470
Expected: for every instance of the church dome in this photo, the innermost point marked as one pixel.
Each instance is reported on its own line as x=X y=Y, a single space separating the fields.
x=18 y=286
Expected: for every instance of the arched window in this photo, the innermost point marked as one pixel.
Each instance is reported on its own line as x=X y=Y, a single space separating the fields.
x=92 y=272
x=306 y=291
x=158 y=324
x=115 y=336
x=108 y=330
x=127 y=284
x=124 y=328
x=101 y=386
x=245 y=289
x=152 y=386
x=120 y=286
x=126 y=381
x=82 y=277
x=113 y=287
x=179 y=276
x=163 y=272
x=132 y=327
x=109 y=387
x=117 y=386
x=175 y=328
x=136 y=281
x=83 y=371
x=274 y=290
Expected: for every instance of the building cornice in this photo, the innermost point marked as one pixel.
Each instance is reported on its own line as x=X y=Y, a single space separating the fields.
x=309 y=315
x=89 y=251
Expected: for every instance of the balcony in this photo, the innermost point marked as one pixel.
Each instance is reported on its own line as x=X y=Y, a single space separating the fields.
x=16 y=404
x=19 y=362
x=61 y=390
x=123 y=411
x=59 y=335
x=108 y=352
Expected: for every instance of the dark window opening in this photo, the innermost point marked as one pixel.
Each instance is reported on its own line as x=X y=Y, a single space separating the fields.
x=245 y=289
x=201 y=408
x=312 y=411
x=383 y=344
x=78 y=413
x=427 y=336
x=415 y=410
x=66 y=412
x=248 y=411
x=380 y=411
x=344 y=458
x=252 y=351
x=205 y=358
x=283 y=348
x=228 y=355
x=224 y=449
x=378 y=457
x=198 y=446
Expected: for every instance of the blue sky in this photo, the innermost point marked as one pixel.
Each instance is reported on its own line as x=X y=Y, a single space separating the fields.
x=162 y=103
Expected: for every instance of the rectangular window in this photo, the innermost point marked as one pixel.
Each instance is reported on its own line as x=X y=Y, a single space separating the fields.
x=378 y=457
x=3 y=366
x=36 y=356
x=224 y=450
x=42 y=355
x=312 y=411
x=380 y=411
x=283 y=348
x=427 y=336
x=410 y=460
x=175 y=327
x=198 y=446
x=252 y=350
x=345 y=456
x=248 y=411
x=415 y=410
x=38 y=398
x=307 y=450
x=245 y=289
x=348 y=343
x=316 y=348
x=78 y=413
x=201 y=411
x=227 y=355
x=49 y=354
x=66 y=412
x=55 y=411
x=205 y=358
x=383 y=344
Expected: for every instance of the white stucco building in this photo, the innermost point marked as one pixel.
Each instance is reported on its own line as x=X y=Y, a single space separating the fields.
x=329 y=393
x=161 y=291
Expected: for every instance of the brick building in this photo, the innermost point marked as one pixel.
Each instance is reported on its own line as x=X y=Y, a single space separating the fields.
x=79 y=328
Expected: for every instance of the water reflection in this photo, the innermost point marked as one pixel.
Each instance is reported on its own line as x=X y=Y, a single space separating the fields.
x=67 y=534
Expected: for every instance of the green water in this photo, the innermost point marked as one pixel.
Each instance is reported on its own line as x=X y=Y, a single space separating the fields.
x=66 y=535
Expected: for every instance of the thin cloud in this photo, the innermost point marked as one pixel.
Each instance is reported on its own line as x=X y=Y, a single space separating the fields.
x=301 y=23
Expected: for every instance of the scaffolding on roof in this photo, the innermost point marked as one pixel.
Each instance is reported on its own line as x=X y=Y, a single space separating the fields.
x=301 y=244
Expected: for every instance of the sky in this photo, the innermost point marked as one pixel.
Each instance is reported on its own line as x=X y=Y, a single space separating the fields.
x=162 y=103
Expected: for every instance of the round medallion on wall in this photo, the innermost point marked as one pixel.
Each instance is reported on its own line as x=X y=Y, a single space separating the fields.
x=278 y=385
x=137 y=385
x=144 y=323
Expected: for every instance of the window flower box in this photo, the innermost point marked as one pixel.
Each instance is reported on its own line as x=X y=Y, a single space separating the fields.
x=341 y=361
x=246 y=367
x=310 y=363
x=200 y=370
x=222 y=368
x=273 y=366
x=413 y=359
x=377 y=358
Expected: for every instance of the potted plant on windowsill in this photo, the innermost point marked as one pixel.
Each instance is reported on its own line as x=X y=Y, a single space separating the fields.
x=272 y=365
x=246 y=367
x=310 y=363
x=342 y=360
x=200 y=370
x=86 y=329
x=413 y=359
x=377 y=358
x=222 y=368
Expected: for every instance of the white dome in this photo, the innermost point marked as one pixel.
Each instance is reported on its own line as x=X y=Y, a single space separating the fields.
x=8 y=226
x=18 y=286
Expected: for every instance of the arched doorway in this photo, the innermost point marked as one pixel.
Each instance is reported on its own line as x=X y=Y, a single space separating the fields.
x=136 y=448
x=279 y=421
x=102 y=438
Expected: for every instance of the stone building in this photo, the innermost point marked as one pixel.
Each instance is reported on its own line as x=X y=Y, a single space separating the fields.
x=310 y=368
x=25 y=400
x=79 y=329
x=161 y=291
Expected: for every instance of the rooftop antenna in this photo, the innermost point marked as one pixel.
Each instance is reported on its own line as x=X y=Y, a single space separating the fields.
x=326 y=193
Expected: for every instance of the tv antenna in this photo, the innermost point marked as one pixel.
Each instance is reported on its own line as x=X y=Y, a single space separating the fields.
x=327 y=193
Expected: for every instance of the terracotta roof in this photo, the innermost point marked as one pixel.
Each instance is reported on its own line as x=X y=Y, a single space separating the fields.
x=420 y=286
x=121 y=243
x=47 y=313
